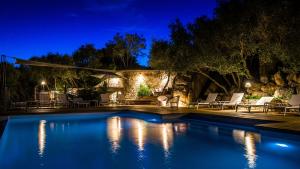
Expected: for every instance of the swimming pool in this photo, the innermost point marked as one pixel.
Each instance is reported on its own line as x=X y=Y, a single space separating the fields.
x=131 y=140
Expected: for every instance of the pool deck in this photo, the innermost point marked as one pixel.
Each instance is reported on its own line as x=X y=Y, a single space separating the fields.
x=273 y=121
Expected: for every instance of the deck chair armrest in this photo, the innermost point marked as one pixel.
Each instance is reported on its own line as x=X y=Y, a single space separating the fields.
x=223 y=101
x=267 y=103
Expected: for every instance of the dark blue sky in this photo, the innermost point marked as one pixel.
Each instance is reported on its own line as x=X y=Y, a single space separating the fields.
x=36 y=27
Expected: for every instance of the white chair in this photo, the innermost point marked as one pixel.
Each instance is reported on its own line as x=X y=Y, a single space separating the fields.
x=294 y=103
x=174 y=102
x=262 y=102
x=105 y=98
x=44 y=99
x=236 y=99
x=210 y=99
x=162 y=100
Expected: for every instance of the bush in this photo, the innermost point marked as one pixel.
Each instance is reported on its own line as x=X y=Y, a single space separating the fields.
x=253 y=97
x=144 y=90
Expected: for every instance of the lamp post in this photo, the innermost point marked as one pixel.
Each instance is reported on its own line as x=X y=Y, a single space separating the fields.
x=43 y=83
x=248 y=85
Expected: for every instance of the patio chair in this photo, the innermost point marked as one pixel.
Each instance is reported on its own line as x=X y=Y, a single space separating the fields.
x=210 y=99
x=174 y=102
x=105 y=99
x=62 y=99
x=262 y=102
x=162 y=100
x=236 y=98
x=44 y=100
x=79 y=102
x=294 y=103
x=121 y=99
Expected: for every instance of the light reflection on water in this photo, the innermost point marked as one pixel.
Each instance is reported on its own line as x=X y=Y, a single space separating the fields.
x=249 y=140
x=166 y=137
x=139 y=131
x=42 y=137
x=122 y=141
x=114 y=132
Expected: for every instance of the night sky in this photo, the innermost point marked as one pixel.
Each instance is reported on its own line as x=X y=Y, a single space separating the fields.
x=36 y=27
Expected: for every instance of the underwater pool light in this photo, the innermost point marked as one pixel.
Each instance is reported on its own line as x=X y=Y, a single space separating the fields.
x=282 y=145
x=153 y=120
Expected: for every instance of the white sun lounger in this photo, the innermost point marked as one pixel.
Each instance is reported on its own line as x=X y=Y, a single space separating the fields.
x=262 y=102
x=294 y=103
x=236 y=99
x=210 y=99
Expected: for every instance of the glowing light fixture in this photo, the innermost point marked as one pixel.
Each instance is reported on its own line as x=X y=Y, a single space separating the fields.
x=43 y=83
x=248 y=85
x=282 y=145
x=140 y=79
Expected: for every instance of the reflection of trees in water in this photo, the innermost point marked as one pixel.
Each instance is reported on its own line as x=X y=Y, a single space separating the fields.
x=248 y=139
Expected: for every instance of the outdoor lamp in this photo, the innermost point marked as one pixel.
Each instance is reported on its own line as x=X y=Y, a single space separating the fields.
x=248 y=85
x=43 y=83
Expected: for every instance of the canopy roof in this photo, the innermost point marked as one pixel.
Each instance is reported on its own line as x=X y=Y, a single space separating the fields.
x=53 y=65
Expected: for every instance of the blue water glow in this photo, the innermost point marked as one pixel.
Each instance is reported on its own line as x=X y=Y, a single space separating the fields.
x=128 y=140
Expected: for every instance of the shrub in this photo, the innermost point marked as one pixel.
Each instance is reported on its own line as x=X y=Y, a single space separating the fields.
x=253 y=97
x=144 y=90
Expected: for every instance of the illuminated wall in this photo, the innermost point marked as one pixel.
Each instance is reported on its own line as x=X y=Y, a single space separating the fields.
x=155 y=80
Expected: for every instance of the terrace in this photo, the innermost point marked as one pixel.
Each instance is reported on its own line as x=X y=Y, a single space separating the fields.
x=219 y=89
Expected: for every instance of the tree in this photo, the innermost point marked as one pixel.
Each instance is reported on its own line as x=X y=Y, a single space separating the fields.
x=241 y=32
x=85 y=56
x=60 y=78
x=126 y=49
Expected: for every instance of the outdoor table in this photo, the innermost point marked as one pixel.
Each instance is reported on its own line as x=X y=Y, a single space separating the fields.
x=19 y=104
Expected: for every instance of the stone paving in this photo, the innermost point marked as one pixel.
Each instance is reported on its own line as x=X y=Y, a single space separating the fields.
x=270 y=121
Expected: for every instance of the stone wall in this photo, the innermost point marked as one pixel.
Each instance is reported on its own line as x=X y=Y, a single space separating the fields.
x=280 y=86
x=154 y=79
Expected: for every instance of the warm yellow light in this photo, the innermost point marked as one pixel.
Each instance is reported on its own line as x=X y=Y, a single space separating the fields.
x=248 y=139
x=180 y=128
x=42 y=137
x=248 y=85
x=114 y=82
x=250 y=150
x=43 y=83
x=238 y=136
x=114 y=132
x=140 y=135
x=140 y=79
x=167 y=137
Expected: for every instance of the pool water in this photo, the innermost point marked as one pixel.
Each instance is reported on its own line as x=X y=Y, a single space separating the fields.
x=132 y=140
